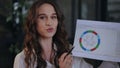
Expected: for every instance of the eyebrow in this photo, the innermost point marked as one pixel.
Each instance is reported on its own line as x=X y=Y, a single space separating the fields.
x=40 y=14
x=45 y=14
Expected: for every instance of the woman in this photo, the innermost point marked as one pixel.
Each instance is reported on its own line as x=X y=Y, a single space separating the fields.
x=45 y=43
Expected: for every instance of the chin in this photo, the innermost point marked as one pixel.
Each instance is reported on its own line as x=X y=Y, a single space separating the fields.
x=49 y=35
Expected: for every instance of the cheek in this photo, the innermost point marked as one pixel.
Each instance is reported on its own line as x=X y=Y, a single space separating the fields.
x=56 y=24
x=39 y=27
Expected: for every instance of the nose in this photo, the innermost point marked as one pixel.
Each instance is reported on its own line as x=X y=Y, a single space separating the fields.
x=48 y=22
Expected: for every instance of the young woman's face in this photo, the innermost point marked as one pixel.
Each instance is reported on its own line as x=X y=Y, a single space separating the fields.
x=47 y=21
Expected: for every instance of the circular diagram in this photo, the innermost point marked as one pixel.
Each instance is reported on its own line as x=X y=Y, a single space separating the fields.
x=89 y=40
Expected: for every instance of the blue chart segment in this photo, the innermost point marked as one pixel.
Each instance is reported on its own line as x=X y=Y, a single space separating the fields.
x=89 y=40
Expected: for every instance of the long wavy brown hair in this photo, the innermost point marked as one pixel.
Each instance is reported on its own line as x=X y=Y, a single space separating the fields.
x=32 y=49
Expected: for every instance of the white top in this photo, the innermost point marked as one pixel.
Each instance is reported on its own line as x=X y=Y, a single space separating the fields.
x=77 y=63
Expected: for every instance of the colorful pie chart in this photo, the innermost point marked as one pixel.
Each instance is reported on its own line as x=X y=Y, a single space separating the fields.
x=89 y=40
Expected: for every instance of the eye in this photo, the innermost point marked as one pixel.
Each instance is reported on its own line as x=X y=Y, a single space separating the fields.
x=54 y=17
x=42 y=17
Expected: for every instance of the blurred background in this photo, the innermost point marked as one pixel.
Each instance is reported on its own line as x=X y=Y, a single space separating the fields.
x=13 y=13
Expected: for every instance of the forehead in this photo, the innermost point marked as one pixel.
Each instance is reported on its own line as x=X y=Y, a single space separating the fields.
x=46 y=8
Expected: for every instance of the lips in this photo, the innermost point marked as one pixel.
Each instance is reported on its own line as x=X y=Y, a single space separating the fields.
x=50 y=30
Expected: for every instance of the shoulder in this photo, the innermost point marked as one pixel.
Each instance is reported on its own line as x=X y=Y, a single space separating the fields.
x=80 y=62
x=19 y=60
x=20 y=56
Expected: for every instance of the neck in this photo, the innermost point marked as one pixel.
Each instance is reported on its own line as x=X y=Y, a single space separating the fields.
x=46 y=43
x=47 y=48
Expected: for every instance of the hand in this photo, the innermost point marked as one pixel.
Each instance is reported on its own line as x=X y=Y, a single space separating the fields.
x=65 y=62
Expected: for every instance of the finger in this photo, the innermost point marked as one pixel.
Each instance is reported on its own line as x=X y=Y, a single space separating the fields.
x=62 y=57
x=67 y=62
x=68 y=59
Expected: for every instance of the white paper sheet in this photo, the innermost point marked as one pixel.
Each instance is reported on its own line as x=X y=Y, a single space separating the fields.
x=97 y=40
